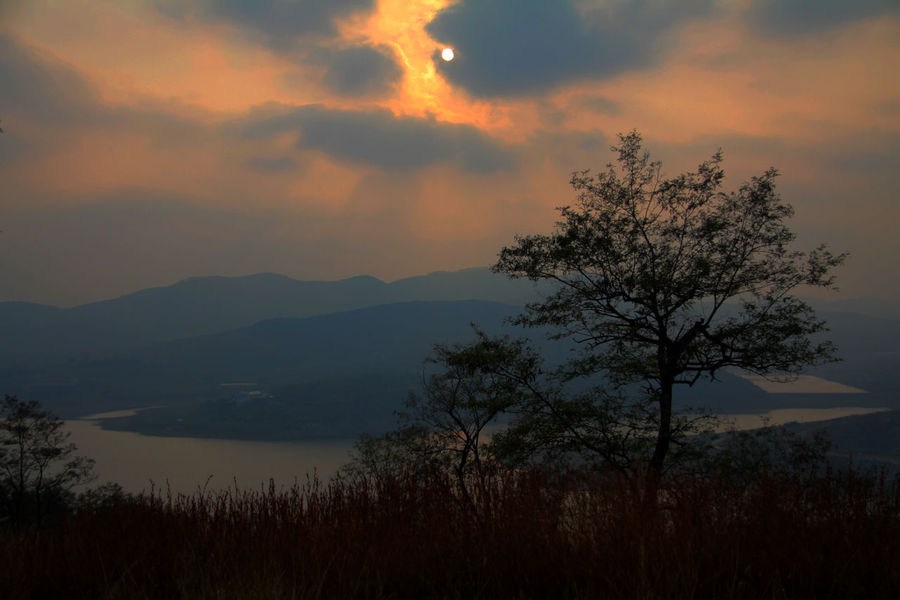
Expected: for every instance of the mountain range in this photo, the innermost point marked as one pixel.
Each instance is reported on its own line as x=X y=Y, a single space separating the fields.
x=269 y=357
x=204 y=305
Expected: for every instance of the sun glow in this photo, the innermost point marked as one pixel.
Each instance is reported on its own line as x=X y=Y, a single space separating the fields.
x=447 y=54
x=401 y=24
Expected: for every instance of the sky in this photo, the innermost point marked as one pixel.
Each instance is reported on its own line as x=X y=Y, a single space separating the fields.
x=146 y=141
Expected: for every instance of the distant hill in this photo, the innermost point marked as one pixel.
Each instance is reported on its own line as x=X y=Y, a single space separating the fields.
x=869 y=349
x=205 y=305
x=385 y=343
x=871 y=435
x=871 y=440
x=339 y=374
x=872 y=307
x=374 y=339
x=325 y=358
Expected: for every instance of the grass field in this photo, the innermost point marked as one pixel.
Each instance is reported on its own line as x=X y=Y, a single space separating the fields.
x=514 y=535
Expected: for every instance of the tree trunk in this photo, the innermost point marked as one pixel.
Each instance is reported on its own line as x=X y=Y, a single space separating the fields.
x=664 y=435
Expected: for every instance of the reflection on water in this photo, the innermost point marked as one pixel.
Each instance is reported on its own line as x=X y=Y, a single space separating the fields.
x=116 y=413
x=801 y=384
x=788 y=415
x=185 y=464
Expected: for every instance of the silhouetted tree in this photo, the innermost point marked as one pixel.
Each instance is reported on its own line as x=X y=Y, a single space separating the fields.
x=38 y=466
x=474 y=384
x=663 y=282
x=465 y=388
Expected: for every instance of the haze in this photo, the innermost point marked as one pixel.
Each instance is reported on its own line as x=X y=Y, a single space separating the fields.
x=148 y=141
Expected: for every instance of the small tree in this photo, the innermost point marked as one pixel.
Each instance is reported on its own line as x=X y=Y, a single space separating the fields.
x=38 y=467
x=465 y=388
x=475 y=383
x=666 y=281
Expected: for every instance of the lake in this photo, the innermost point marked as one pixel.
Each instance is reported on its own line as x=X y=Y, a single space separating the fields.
x=801 y=384
x=188 y=464
x=788 y=415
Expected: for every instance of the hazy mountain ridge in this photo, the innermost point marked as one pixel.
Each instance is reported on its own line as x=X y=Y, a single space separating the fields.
x=373 y=342
x=873 y=307
x=204 y=305
x=873 y=436
x=868 y=348
x=327 y=373
x=369 y=338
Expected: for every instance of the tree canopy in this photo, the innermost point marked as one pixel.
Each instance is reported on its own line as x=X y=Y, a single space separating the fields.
x=465 y=388
x=664 y=281
x=38 y=465
x=656 y=283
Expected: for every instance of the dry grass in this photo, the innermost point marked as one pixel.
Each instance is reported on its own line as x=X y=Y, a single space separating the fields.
x=518 y=537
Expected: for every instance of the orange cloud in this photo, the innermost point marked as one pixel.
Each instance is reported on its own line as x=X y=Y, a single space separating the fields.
x=167 y=94
x=132 y=54
x=720 y=80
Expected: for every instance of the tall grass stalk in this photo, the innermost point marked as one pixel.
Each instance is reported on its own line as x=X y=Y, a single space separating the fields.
x=514 y=535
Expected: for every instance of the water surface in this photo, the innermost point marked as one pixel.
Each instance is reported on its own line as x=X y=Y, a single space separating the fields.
x=787 y=415
x=187 y=464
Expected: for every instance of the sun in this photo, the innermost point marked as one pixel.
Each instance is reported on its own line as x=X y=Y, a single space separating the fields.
x=447 y=54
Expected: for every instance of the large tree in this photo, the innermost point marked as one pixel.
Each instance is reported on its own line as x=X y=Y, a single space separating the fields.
x=665 y=281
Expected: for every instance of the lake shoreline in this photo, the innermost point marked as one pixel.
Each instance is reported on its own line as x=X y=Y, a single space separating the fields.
x=139 y=461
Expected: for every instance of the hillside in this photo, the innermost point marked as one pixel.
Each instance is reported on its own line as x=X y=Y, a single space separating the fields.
x=32 y=333
x=269 y=357
x=351 y=359
x=205 y=305
x=872 y=439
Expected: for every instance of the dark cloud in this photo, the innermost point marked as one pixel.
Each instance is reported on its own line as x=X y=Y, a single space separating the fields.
x=279 y=22
x=362 y=70
x=382 y=139
x=570 y=151
x=600 y=105
x=302 y=30
x=40 y=93
x=273 y=165
x=790 y=17
x=876 y=160
x=36 y=86
x=511 y=47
